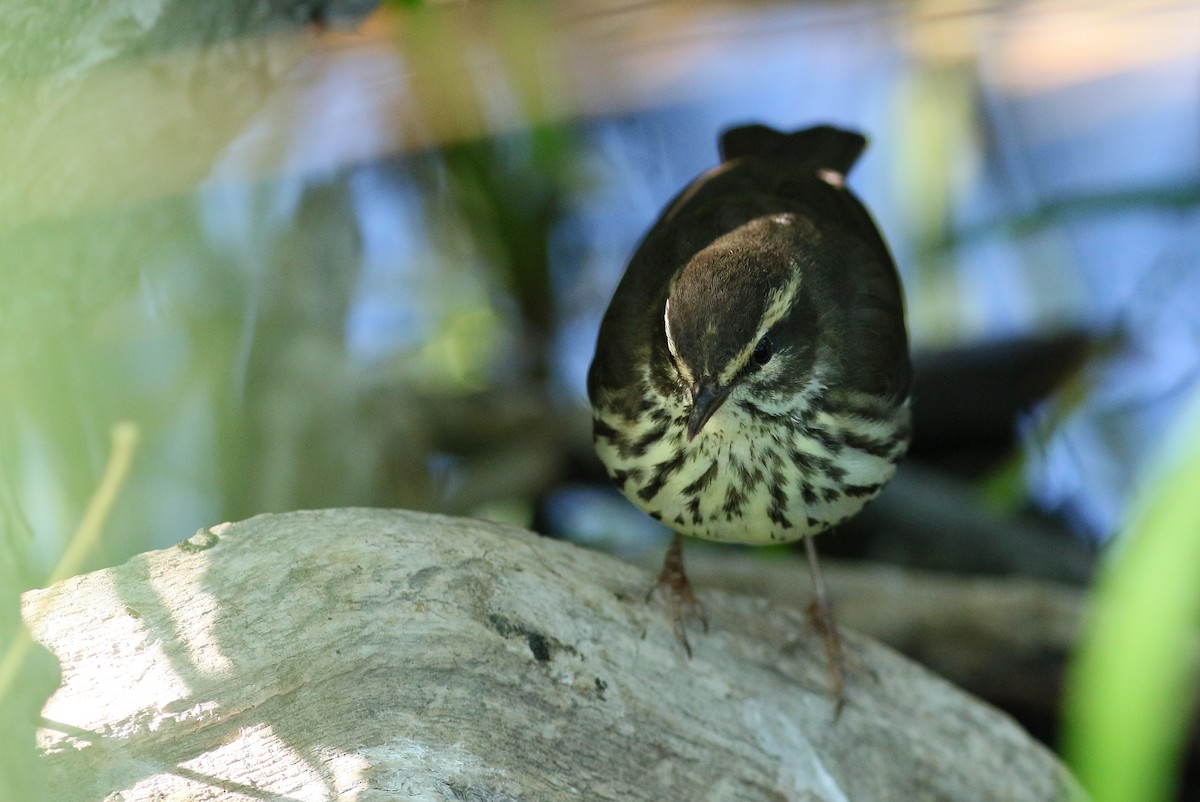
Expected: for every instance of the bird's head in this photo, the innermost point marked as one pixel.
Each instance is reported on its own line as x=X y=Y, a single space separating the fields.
x=738 y=320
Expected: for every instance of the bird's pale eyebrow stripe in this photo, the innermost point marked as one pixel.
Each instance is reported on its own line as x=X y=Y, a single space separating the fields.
x=778 y=303
x=684 y=373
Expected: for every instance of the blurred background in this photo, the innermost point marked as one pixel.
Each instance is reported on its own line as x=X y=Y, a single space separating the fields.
x=334 y=254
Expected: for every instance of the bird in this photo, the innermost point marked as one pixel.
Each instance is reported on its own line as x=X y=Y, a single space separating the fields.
x=751 y=379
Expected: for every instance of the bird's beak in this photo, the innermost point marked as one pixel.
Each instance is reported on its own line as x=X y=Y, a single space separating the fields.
x=707 y=397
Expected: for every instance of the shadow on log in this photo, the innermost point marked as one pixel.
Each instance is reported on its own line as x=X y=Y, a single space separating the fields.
x=376 y=655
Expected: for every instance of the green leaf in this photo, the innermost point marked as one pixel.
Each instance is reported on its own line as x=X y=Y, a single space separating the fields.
x=1132 y=686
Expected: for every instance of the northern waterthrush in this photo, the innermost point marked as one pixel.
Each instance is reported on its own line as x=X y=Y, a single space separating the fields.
x=751 y=377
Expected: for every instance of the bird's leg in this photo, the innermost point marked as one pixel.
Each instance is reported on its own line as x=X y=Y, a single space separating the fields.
x=822 y=619
x=680 y=596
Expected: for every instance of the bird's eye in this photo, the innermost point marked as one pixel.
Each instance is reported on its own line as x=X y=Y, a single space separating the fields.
x=763 y=352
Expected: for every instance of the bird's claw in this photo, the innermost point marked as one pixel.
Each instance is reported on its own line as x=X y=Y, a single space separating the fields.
x=681 y=599
x=835 y=653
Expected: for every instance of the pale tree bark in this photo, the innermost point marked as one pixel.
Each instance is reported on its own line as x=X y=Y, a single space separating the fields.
x=369 y=655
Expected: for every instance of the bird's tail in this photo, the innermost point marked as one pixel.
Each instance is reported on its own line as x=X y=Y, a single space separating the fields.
x=822 y=147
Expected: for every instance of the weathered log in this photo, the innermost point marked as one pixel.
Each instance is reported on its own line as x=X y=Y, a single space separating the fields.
x=369 y=655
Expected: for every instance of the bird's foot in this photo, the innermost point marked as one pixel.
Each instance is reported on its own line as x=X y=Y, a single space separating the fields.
x=836 y=655
x=681 y=599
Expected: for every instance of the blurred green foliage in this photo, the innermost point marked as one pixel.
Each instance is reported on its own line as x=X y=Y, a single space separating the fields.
x=34 y=676
x=1131 y=693
x=29 y=674
x=234 y=361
